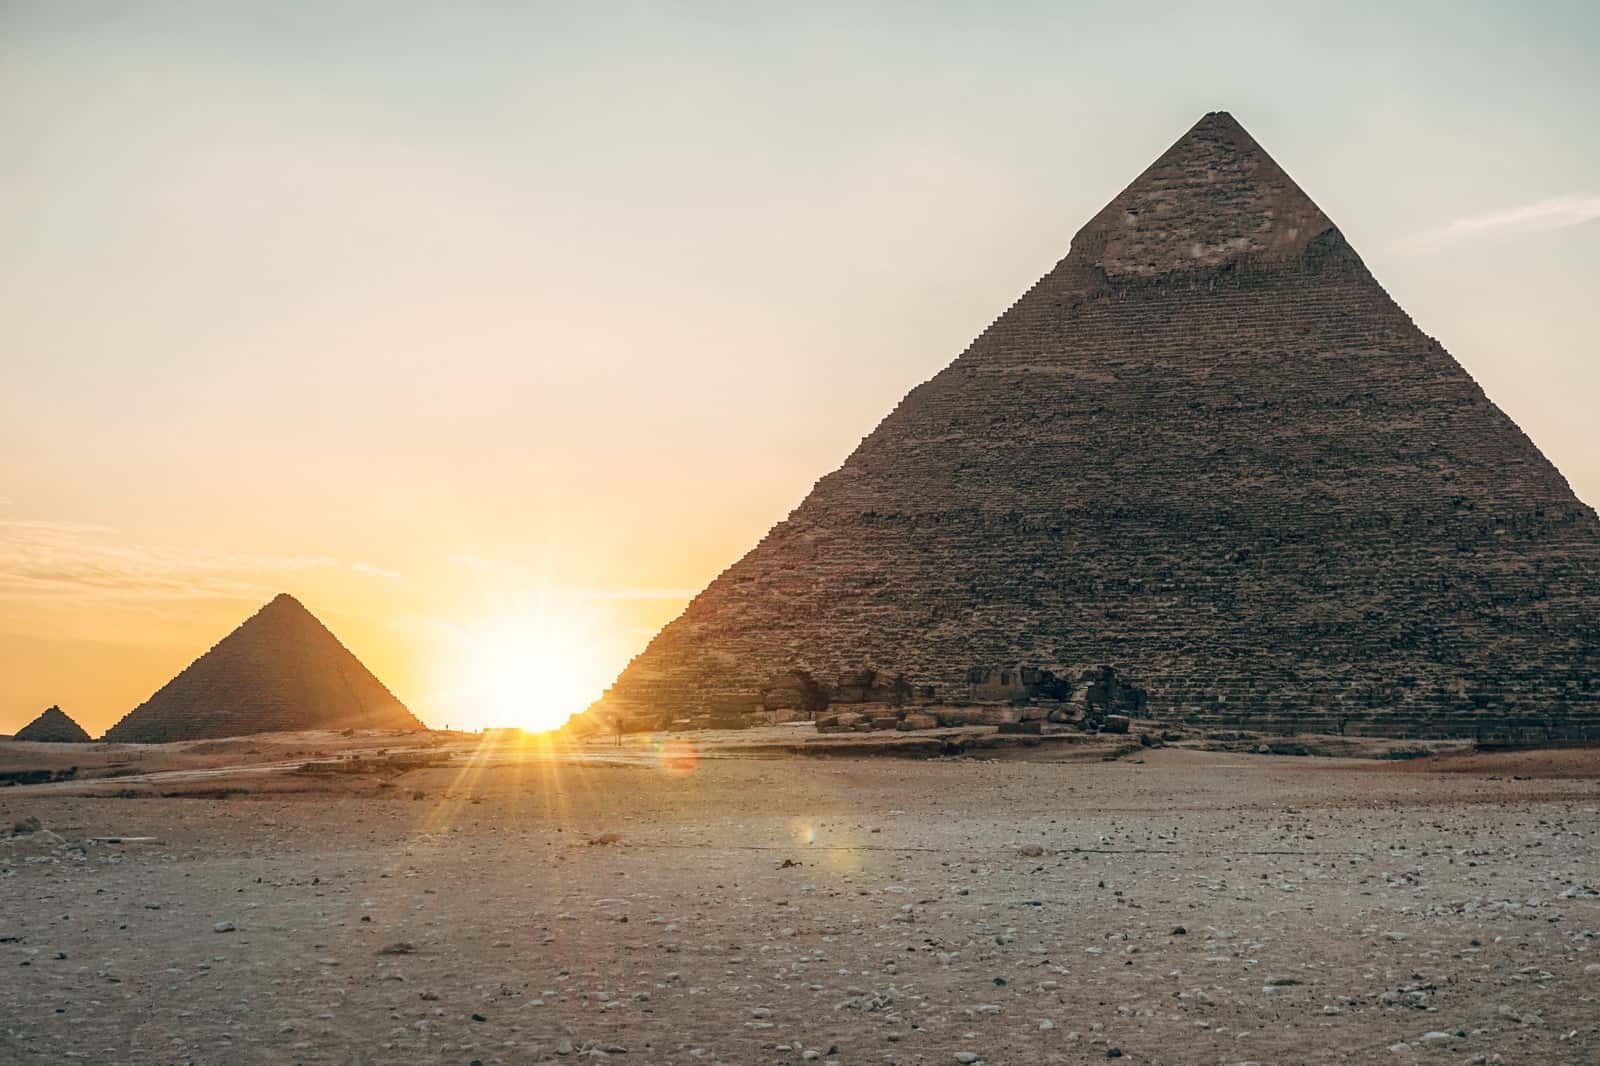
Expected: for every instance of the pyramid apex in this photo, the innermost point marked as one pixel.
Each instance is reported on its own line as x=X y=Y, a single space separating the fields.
x=283 y=602
x=1213 y=200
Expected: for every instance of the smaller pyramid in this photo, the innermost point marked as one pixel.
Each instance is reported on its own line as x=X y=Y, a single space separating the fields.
x=54 y=726
x=281 y=671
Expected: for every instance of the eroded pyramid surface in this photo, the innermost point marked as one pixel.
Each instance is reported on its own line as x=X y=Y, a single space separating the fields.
x=281 y=670
x=1207 y=448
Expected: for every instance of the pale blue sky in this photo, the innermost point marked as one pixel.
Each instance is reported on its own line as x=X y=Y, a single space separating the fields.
x=596 y=291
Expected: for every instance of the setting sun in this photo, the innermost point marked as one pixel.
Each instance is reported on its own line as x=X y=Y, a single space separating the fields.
x=530 y=670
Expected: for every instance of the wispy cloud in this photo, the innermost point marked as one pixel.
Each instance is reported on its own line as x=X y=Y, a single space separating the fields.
x=84 y=561
x=1557 y=212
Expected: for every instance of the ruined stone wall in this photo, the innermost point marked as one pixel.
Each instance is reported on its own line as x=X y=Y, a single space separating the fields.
x=1243 y=477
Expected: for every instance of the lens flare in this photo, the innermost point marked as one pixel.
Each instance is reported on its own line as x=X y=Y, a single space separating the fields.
x=678 y=757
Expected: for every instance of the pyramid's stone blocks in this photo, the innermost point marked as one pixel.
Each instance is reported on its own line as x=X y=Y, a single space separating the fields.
x=1207 y=448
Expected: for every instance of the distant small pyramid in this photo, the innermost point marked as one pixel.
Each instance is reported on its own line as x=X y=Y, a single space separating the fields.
x=281 y=671
x=54 y=726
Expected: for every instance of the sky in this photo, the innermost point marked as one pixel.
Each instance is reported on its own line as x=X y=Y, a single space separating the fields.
x=493 y=332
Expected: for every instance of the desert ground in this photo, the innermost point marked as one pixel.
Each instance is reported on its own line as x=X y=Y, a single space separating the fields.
x=358 y=899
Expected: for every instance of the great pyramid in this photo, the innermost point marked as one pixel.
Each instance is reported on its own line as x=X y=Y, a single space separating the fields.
x=281 y=670
x=53 y=726
x=1206 y=449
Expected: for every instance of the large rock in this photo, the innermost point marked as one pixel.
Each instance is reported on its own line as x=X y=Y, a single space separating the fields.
x=977 y=715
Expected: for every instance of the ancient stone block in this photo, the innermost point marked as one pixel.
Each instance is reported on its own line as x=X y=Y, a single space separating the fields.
x=977 y=715
x=840 y=722
x=1031 y=725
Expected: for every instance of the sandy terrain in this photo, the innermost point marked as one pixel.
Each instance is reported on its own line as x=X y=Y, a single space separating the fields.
x=1171 y=906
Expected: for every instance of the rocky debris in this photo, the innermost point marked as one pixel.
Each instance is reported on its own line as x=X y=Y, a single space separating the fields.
x=280 y=671
x=1027 y=726
x=1109 y=702
x=53 y=726
x=844 y=722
